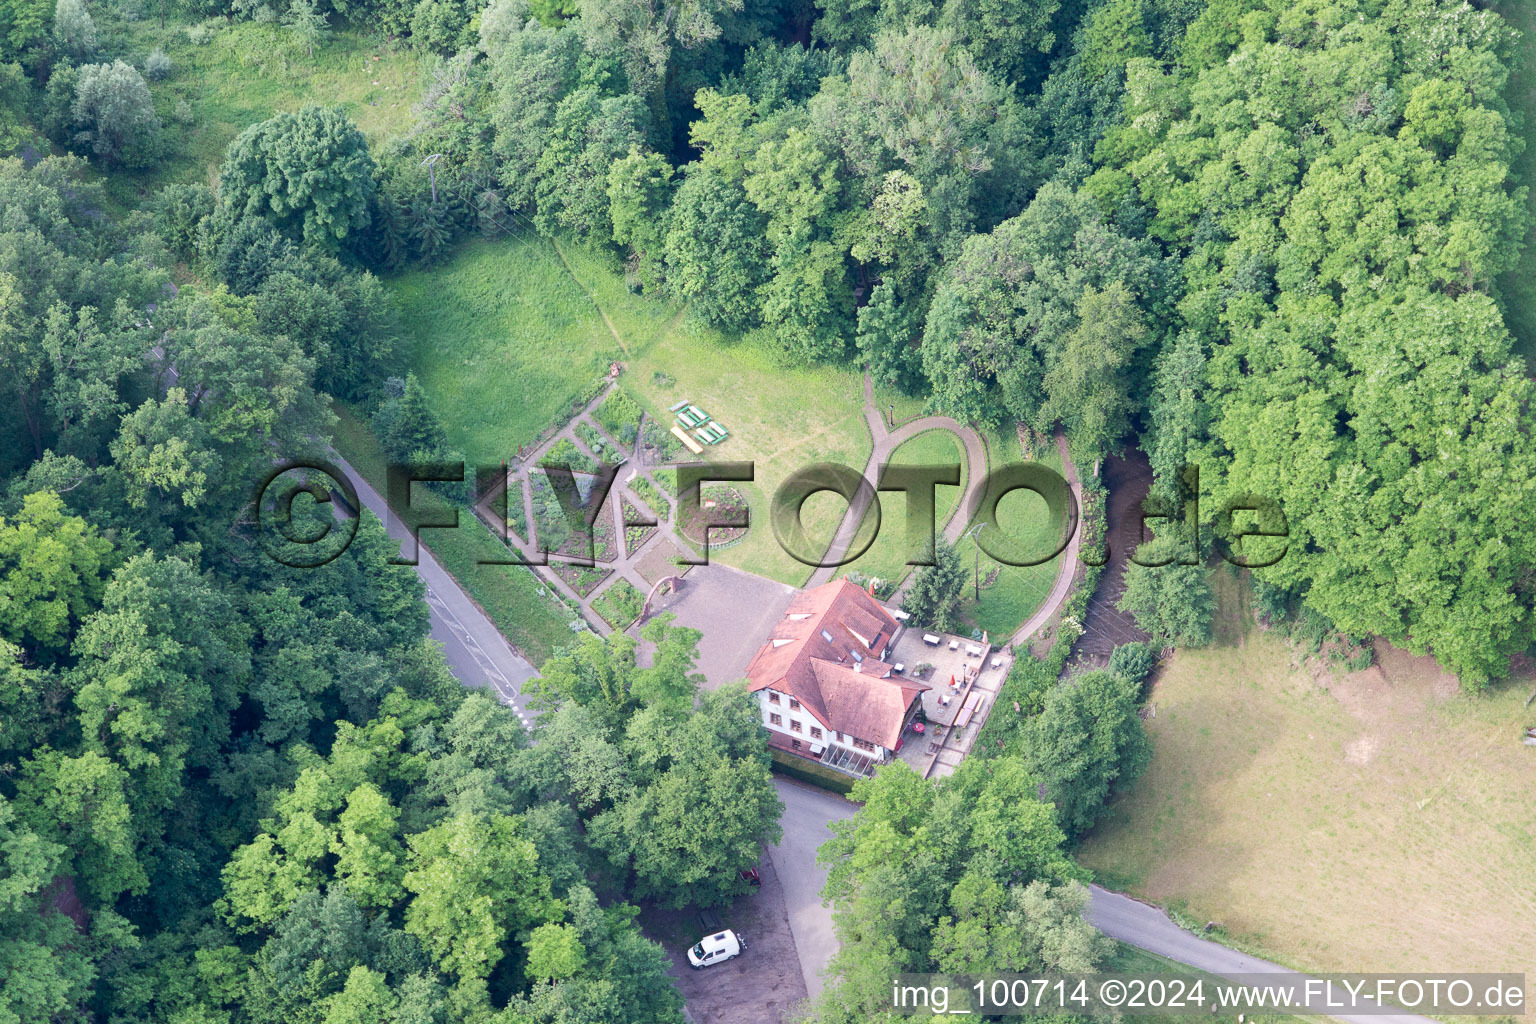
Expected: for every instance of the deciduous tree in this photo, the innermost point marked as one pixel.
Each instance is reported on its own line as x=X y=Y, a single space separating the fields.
x=476 y=883
x=308 y=172
x=53 y=568
x=1087 y=740
x=114 y=114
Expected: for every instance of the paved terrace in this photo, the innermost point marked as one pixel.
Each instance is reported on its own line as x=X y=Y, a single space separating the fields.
x=978 y=673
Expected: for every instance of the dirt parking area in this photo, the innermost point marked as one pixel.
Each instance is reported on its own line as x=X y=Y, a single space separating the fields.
x=761 y=986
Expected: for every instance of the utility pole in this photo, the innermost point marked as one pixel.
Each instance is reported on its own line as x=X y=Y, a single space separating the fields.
x=430 y=163
x=976 y=546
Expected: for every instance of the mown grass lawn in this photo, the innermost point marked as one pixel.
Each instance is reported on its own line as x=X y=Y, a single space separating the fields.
x=504 y=340
x=246 y=72
x=781 y=418
x=505 y=337
x=887 y=556
x=1376 y=820
x=1015 y=591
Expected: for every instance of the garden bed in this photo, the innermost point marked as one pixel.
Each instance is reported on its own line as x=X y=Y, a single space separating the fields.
x=619 y=415
x=564 y=452
x=599 y=445
x=647 y=492
x=636 y=534
x=555 y=534
x=660 y=562
x=715 y=501
x=659 y=446
x=517 y=511
x=581 y=578
x=620 y=604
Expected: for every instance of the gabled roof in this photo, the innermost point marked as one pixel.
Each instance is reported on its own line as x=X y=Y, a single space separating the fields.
x=826 y=652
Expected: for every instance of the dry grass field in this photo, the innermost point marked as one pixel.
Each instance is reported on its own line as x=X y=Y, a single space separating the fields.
x=1374 y=820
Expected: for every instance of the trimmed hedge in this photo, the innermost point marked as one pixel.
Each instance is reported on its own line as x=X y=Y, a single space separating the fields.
x=809 y=771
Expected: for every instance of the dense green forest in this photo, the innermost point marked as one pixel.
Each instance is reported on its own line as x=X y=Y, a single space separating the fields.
x=1261 y=237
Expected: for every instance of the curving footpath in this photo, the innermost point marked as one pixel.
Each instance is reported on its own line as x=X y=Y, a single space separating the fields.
x=1068 y=571
x=886 y=441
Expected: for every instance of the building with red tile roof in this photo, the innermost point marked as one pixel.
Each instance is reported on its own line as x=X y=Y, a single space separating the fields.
x=824 y=686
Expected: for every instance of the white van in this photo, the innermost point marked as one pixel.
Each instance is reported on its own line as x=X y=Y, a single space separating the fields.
x=716 y=949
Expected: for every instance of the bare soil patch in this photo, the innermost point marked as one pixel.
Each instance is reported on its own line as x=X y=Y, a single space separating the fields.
x=1105 y=626
x=762 y=985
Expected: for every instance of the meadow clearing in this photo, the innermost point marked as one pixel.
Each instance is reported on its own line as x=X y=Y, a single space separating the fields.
x=503 y=340
x=226 y=77
x=1373 y=821
x=509 y=333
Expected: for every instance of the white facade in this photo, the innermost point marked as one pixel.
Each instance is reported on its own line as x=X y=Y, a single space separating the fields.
x=791 y=713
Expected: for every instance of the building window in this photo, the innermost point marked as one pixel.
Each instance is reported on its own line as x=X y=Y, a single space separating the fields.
x=794 y=705
x=795 y=744
x=815 y=733
x=794 y=725
x=839 y=737
x=776 y=719
x=864 y=744
x=773 y=698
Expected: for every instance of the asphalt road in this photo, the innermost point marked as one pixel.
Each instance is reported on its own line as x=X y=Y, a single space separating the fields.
x=806 y=813
x=1147 y=927
x=476 y=651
